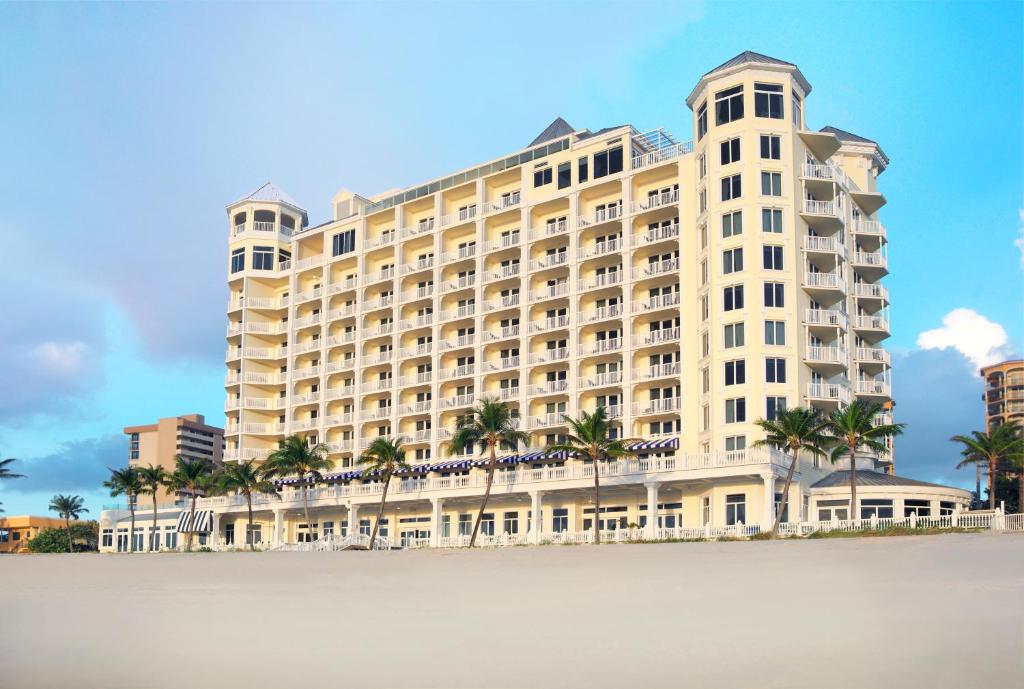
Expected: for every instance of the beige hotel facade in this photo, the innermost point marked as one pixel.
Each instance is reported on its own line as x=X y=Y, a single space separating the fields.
x=690 y=287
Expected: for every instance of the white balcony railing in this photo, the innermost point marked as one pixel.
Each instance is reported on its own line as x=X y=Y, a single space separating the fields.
x=829 y=392
x=659 y=200
x=826 y=355
x=874 y=388
x=824 y=281
x=869 y=227
x=598 y=281
x=509 y=200
x=601 y=346
x=656 y=234
x=602 y=248
x=656 y=337
x=658 y=371
x=661 y=301
x=420 y=264
x=600 y=380
x=870 y=290
x=873 y=355
x=601 y=215
x=829 y=317
x=871 y=323
x=555 y=322
x=602 y=313
x=827 y=208
x=550 y=291
x=549 y=355
x=660 y=406
x=559 y=258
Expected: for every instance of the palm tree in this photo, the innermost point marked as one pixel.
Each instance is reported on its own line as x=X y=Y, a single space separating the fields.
x=385 y=457
x=6 y=473
x=589 y=439
x=795 y=429
x=126 y=482
x=1015 y=463
x=294 y=456
x=998 y=445
x=69 y=507
x=488 y=426
x=853 y=428
x=153 y=479
x=245 y=478
x=191 y=476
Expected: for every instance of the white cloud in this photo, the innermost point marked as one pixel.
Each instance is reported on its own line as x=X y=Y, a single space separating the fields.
x=60 y=358
x=979 y=340
x=1019 y=241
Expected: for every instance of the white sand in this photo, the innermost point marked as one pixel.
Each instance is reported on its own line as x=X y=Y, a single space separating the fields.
x=930 y=612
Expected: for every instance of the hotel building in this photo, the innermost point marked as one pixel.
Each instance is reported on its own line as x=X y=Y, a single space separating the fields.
x=160 y=443
x=1004 y=393
x=690 y=287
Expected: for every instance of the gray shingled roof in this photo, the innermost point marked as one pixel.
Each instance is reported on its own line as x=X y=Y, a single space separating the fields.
x=555 y=130
x=749 y=56
x=273 y=193
x=843 y=135
x=839 y=479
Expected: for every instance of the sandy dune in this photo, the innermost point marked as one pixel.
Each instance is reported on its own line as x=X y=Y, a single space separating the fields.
x=938 y=611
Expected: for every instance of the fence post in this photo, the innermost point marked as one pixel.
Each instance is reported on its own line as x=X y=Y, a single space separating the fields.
x=913 y=520
x=954 y=519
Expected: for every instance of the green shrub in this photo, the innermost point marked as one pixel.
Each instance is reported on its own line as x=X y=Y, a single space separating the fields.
x=84 y=535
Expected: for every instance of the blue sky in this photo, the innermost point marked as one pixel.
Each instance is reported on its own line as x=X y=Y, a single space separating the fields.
x=128 y=128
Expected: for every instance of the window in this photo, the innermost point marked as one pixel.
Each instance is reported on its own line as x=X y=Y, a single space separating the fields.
x=771 y=147
x=768 y=101
x=729 y=105
x=465 y=524
x=732 y=261
x=735 y=372
x=608 y=162
x=263 y=258
x=108 y=538
x=772 y=257
x=510 y=523
x=945 y=508
x=733 y=297
x=735 y=509
x=237 y=260
x=774 y=295
x=582 y=169
x=797 y=111
x=736 y=410
x=702 y=166
x=921 y=508
x=702 y=200
x=734 y=335
x=560 y=519
x=343 y=243
x=771 y=220
x=731 y=187
x=542 y=177
x=705 y=510
x=702 y=120
x=775 y=333
x=774 y=370
x=773 y=406
x=732 y=224
x=734 y=443
x=875 y=507
x=487 y=524
x=771 y=184
x=564 y=175
x=730 y=150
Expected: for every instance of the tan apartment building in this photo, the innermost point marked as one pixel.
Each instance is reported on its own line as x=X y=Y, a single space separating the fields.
x=17 y=530
x=1004 y=393
x=690 y=287
x=160 y=443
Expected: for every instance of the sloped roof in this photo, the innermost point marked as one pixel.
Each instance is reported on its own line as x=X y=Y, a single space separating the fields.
x=271 y=192
x=555 y=130
x=839 y=479
x=586 y=135
x=749 y=56
x=843 y=135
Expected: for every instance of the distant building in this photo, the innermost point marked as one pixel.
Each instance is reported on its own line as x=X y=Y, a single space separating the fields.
x=1004 y=392
x=16 y=532
x=188 y=435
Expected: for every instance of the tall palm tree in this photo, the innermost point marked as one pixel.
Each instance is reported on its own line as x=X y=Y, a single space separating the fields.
x=589 y=439
x=992 y=448
x=1015 y=463
x=6 y=473
x=384 y=457
x=295 y=456
x=488 y=426
x=69 y=507
x=191 y=476
x=153 y=479
x=126 y=482
x=853 y=428
x=245 y=478
x=792 y=430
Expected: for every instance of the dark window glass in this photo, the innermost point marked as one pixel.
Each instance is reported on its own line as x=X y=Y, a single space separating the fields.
x=542 y=177
x=773 y=294
x=729 y=105
x=237 y=260
x=615 y=160
x=343 y=242
x=600 y=164
x=583 y=169
x=768 y=101
x=564 y=175
x=702 y=120
x=773 y=258
x=771 y=147
x=730 y=151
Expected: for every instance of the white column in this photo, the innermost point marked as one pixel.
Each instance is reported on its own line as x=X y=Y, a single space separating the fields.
x=768 y=518
x=353 y=519
x=652 y=511
x=215 y=530
x=276 y=538
x=436 y=505
x=535 y=525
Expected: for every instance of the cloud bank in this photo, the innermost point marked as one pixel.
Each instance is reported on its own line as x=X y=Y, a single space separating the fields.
x=979 y=340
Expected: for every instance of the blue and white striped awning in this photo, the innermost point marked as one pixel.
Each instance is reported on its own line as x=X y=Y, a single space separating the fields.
x=536 y=456
x=451 y=465
x=201 y=522
x=647 y=445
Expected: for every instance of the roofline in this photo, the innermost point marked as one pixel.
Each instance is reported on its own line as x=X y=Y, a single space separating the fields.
x=744 y=66
x=241 y=201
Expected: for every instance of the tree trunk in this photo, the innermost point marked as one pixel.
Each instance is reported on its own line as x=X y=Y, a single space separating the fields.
x=67 y=525
x=785 y=493
x=191 y=524
x=248 y=527
x=380 y=511
x=305 y=511
x=977 y=481
x=154 y=539
x=131 y=535
x=487 y=496
x=853 y=483
x=992 y=483
x=597 y=503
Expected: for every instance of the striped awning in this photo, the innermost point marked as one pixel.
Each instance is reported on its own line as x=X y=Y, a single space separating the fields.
x=537 y=456
x=647 y=445
x=201 y=522
x=452 y=465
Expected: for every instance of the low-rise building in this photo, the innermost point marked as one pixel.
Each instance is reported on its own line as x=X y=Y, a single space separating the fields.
x=17 y=531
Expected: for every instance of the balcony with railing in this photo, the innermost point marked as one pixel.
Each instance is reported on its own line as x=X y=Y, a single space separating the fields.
x=656 y=337
x=460 y=253
x=460 y=216
x=657 y=268
x=550 y=229
x=460 y=342
x=419 y=265
x=602 y=280
x=421 y=321
x=873 y=355
x=546 y=420
x=831 y=355
x=875 y=323
x=656 y=303
x=603 y=248
x=827 y=209
x=871 y=228
x=550 y=292
x=503 y=272
x=671 y=370
x=829 y=392
x=419 y=378
x=503 y=363
x=507 y=332
x=340 y=392
x=872 y=388
x=870 y=290
x=601 y=215
x=458 y=401
x=505 y=202
x=601 y=380
x=656 y=201
x=509 y=301
x=871 y=259
x=602 y=313
x=549 y=355
x=504 y=242
x=423 y=227
x=665 y=405
x=824 y=245
x=552 y=323
x=425 y=292
x=417 y=407
x=378 y=385
x=464 y=311
x=464 y=371
x=381 y=275
x=553 y=260
x=596 y=347
x=384 y=239
x=827 y=318
x=552 y=387
x=823 y=281
x=653 y=235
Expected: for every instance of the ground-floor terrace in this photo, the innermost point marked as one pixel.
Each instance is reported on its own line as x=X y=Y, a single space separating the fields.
x=659 y=496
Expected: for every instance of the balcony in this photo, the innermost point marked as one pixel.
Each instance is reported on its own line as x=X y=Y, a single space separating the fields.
x=308 y=372
x=836 y=356
x=423 y=436
x=657 y=268
x=504 y=272
x=510 y=301
x=662 y=301
x=310 y=262
x=559 y=258
x=343 y=365
x=824 y=245
x=464 y=311
x=551 y=229
x=464 y=371
x=425 y=292
x=263 y=428
x=609 y=246
x=419 y=228
x=661 y=155
x=464 y=282
x=503 y=363
x=870 y=290
x=381 y=275
x=602 y=313
x=666 y=405
x=459 y=217
x=553 y=323
x=602 y=215
x=304 y=347
x=379 y=385
x=654 y=372
x=349 y=282
x=307 y=398
x=375 y=413
x=508 y=394
x=657 y=234
x=601 y=346
x=829 y=392
x=310 y=320
x=344 y=338
x=376 y=358
x=507 y=332
x=602 y=380
x=418 y=265
x=383 y=239
x=874 y=323
x=826 y=317
x=601 y=281
x=459 y=254
x=460 y=342
x=554 y=387
x=340 y=392
x=655 y=201
x=266 y=352
x=417 y=351
x=872 y=260
x=341 y=446
x=418 y=407
x=379 y=331
x=384 y=301
x=549 y=355
x=656 y=337
x=305 y=424
x=873 y=355
x=546 y=420
x=506 y=242
x=420 y=378
x=823 y=208
x=458 y=401
x=424 y=321
x=871 y=228
x=550 y=292
x=872 y=388
x=504 y=202
x=823 y=281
